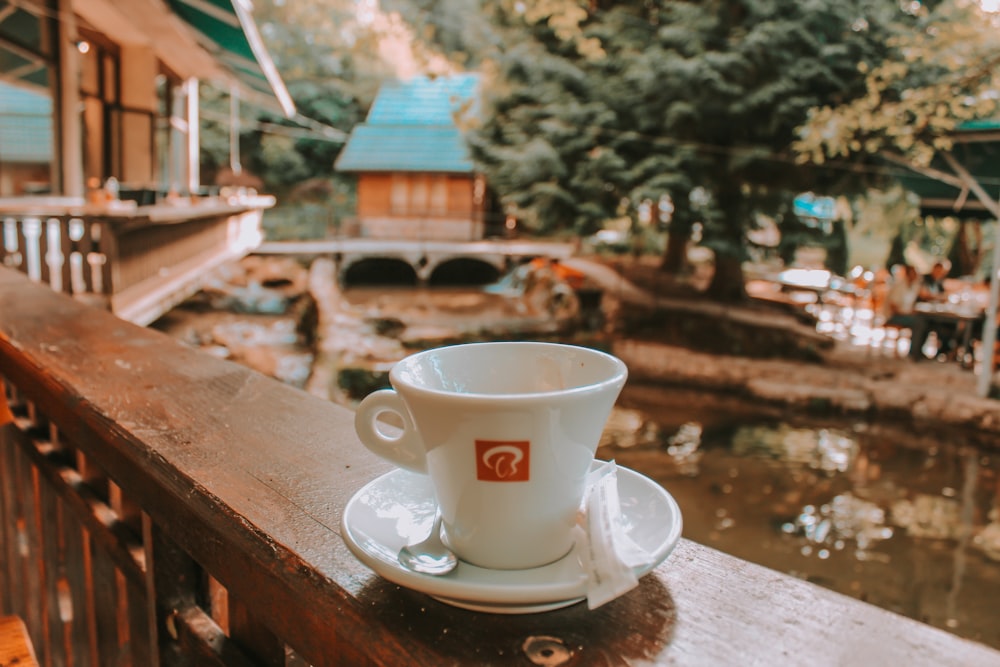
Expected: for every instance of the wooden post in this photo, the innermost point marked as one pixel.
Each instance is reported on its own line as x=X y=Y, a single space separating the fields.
x=193 y=159
x=990 y=323
x=70 y=130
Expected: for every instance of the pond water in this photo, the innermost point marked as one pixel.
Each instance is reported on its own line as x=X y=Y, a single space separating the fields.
x=909 y=522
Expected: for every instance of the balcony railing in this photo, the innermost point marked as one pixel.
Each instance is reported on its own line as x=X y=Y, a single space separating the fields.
x=137 y=261
x=159 y=506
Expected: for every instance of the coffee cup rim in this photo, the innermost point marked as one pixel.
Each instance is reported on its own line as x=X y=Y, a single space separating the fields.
x=618 y=377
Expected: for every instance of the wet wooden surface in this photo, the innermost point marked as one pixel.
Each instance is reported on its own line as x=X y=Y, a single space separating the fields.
x=251 y=478
x=15 y=645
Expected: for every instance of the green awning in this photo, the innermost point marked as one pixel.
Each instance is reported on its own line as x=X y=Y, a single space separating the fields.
x=227 y=30
x=977 y=148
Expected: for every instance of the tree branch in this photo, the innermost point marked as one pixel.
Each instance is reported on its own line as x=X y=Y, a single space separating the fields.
x=969 y=180
x=929 y=172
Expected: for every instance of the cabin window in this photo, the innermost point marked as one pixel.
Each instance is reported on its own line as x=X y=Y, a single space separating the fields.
x=27 y=120
x=100 y=86
x=419 y=194
x=165 y=85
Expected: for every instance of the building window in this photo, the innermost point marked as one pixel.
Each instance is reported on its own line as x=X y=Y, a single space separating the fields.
x=418 y=194
x=99 y=94
x=28 y=164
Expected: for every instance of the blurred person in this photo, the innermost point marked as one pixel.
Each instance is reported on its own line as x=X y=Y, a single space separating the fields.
x=932 y=291
x=879 y=290
x=932 y=284
x=900 y=305
x=901 y=297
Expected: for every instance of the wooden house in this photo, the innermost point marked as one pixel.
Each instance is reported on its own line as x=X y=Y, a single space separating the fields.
x=416 y=179
x=100 y=188
x=95 y=89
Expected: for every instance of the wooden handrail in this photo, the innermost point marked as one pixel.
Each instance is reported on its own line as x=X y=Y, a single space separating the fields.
x=15 y=646
x=160 y=506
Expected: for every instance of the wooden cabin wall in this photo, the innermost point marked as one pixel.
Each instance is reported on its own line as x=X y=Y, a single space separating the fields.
x=418 y=205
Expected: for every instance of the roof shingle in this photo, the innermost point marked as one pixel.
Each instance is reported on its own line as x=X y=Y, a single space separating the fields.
x=411 y=127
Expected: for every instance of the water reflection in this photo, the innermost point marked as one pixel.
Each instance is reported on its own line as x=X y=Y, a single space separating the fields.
x=908 y=521
x=820 y=449
x=684 y=445
x=844 y=521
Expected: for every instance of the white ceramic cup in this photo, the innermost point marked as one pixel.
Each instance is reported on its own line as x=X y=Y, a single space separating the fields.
x=507 y=432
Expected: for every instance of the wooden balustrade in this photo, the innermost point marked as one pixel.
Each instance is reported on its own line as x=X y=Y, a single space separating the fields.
x=63 y=251
x=138 y=261
x=159 y=506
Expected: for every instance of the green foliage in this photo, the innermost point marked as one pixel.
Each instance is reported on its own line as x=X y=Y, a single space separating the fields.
x=940 y=75
x=287 y=166
x=324 y=55
x=459 y=29
x=682 y=95
x=591 y=109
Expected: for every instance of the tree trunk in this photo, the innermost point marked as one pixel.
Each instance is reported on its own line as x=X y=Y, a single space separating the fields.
x=727 y=281
x=965 y=261
x=837 y=250
x=896 y=255
x=675 y=254
x=728 y=241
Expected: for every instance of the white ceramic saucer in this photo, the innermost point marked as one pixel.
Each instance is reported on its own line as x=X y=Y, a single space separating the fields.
x=398 y=508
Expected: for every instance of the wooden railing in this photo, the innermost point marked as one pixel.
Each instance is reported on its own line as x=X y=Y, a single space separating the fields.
x=163 y=507
x=137 y=261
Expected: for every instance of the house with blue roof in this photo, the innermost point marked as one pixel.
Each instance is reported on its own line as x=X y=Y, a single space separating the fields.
x=416 y=179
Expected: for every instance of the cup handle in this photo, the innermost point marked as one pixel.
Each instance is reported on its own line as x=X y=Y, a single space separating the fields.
x=406 y=449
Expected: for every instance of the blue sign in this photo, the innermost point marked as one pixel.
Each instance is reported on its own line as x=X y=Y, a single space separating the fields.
x=809 y=205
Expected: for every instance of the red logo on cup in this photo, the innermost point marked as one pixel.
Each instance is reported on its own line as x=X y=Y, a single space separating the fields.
x=503 y=460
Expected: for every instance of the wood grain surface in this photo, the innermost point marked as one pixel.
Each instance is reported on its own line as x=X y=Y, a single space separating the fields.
x=16 y=649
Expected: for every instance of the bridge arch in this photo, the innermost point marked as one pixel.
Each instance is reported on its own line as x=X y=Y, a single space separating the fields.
x=464 y=271
x=371 y=271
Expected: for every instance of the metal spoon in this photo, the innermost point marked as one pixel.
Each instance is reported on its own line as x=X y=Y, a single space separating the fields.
x=430 y=556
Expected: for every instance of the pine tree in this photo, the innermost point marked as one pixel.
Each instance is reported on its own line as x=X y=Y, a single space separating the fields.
x=673 y=97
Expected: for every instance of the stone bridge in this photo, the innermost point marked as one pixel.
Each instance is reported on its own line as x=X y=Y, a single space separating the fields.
x=420 y=262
